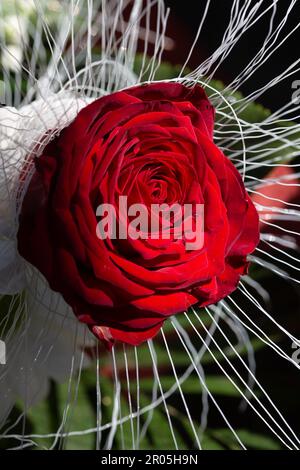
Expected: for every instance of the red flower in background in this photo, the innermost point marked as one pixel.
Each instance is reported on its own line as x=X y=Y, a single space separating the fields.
x=152 y=143
x=280 y=189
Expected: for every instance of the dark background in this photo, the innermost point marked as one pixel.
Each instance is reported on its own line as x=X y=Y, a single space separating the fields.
x=182 y=27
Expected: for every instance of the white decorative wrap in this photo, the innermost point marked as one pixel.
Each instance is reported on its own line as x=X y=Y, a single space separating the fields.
x=45 y=340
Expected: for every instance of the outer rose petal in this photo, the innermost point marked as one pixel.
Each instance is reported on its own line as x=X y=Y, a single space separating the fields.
x=134 y=338
x=175 y=92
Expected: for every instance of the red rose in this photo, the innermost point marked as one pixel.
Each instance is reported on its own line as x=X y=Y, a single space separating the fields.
x=152 y=143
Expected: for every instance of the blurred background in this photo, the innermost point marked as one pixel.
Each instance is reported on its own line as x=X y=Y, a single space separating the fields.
x=182 y=28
